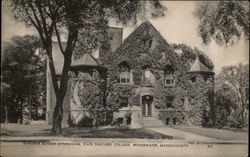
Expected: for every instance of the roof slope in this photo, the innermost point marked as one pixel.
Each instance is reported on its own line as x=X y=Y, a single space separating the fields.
x=198 y=67
x=139 y=32
x=87 y=59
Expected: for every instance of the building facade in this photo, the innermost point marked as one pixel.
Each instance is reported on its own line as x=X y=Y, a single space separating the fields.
x=143 y=81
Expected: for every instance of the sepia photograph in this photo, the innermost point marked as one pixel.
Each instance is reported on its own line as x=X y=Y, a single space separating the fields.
x=133 y=78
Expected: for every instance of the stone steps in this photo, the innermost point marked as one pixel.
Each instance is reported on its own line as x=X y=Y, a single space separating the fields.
x=152 y=122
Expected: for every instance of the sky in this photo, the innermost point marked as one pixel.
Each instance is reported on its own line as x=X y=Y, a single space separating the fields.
x=178 y=26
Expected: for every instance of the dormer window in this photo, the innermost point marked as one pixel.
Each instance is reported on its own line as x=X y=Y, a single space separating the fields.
x=124 y=73
x=169 y=77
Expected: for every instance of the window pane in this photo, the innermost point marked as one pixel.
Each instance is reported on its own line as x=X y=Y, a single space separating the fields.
x=124 y=77
x=169 y=105
x=124 y=101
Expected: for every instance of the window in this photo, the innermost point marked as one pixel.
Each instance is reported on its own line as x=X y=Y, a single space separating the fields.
x=207 y=77
x=147 y=73
x=124 y=73
x=169 y=102
x=124 y=101
x=148 y=43
x=169 y=77
x=193 y=79
x=148 y=78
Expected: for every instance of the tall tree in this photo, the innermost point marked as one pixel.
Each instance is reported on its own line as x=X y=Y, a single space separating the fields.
x=237 y=78
x=223 y=21
x=23 y=65
x=84 y=21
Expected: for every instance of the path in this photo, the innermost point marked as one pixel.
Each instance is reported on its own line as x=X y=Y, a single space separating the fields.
x=189 y=137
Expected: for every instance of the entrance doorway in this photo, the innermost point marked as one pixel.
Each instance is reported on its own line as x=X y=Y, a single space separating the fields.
x=147 y=101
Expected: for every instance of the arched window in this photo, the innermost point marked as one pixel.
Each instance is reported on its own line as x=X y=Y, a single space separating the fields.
x=169 y=77
x=124 y=72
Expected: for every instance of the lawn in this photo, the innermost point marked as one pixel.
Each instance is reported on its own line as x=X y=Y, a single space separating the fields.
x=220 y=134
x=14 y=130
x=114 y=133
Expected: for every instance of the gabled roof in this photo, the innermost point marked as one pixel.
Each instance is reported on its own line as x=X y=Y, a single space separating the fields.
x=198 y=67
x=138 y=33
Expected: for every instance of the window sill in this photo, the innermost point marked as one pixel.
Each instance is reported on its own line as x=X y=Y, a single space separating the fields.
x=169 y=85
x=124 y=83
x=168 y=109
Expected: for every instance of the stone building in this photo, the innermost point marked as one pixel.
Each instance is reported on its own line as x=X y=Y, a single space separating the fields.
x=153 y=85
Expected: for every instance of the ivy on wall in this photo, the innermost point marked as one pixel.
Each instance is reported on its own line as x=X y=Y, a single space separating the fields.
x=162 y=55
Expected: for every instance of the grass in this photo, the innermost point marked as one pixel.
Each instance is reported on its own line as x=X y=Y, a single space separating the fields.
x=220 y=134
x=14 y=130
x=114 y=133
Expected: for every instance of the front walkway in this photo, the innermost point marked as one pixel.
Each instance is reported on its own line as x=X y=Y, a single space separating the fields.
x=191 y=137
x=177 y=133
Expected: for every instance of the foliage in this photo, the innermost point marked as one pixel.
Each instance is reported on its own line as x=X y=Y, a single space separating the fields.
x=23 y=67
x=117 y=91
x=223 y=21
x=157 y=58
x=171 y=115
x=231 y=95
x=189 y=53
x=226 y=102
x=88 y=18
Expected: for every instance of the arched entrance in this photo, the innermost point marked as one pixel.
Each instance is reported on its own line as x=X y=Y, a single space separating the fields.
x=147 y=101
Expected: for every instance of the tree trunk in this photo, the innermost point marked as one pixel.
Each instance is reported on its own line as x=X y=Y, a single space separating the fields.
x=62 y=88
x=58 y=112
x=57 y=117
x=6 y=113
x=21 y=113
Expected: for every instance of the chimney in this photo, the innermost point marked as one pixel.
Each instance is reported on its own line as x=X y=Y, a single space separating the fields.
x=116 y=37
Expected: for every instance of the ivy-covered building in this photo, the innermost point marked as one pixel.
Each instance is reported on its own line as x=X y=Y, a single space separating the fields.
x=140 y=82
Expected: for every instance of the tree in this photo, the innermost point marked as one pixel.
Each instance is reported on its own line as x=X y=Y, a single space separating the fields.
x=237 y=78
x=84 y=21
x=5 y=94
x=223 y=21
x=226 y=105
x=23 y=67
